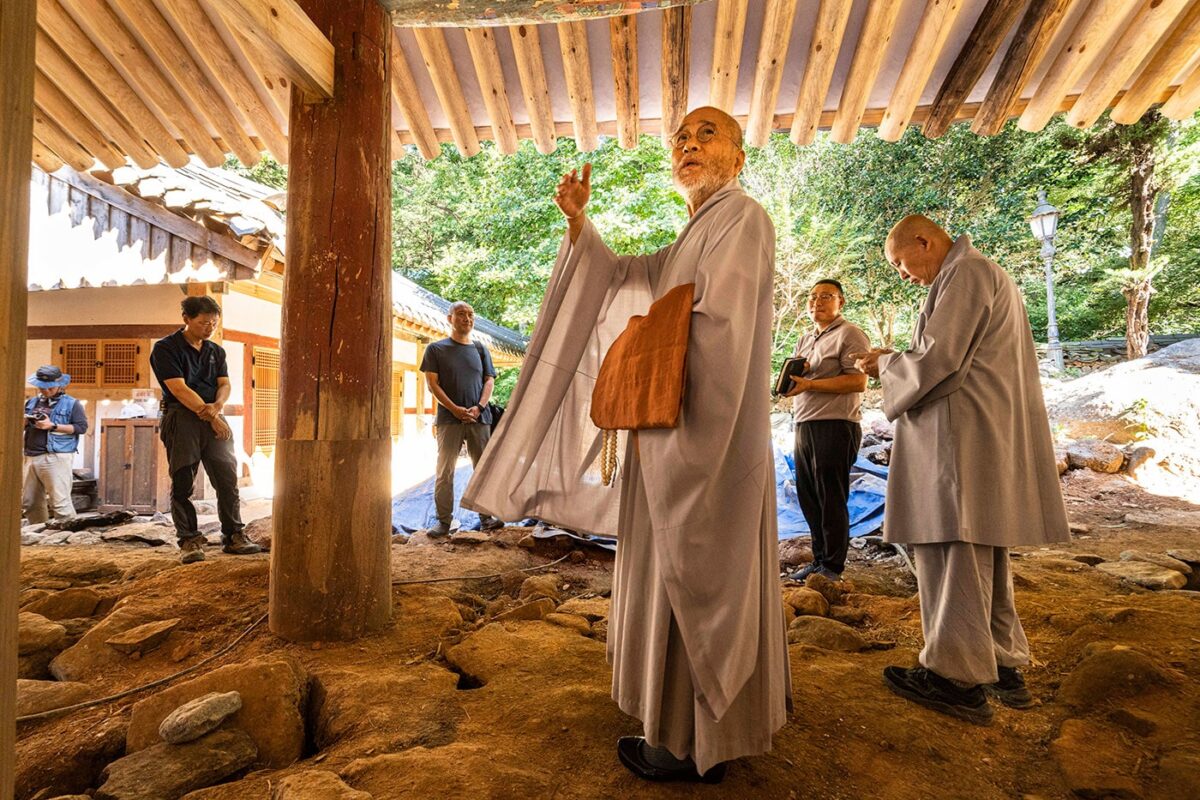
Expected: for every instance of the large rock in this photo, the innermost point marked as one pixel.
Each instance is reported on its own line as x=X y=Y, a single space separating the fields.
x=169 y=771
x=143 y=638
x=1188 y=556
x=154 y=534
x=1166 y=562
x=1105 y=675
x=829 y=589
x=85 y=572
x=259 y=531
x=315 y=784
x=538 y=609
x=1096 y=455
x=67 y=604
x=1166 y=518
x=539 y=586
x=274 y=694
x=90 y=657
x=594 y=608
x=36 y=634
x=827 y=634
x=1093 y=762
x=34 y=697
x=806 y=602
x=68 y=764
x=197 y=717
x=1143 y=573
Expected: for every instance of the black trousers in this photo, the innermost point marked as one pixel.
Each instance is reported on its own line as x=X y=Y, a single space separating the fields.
x=825 y=452
x=190 y=442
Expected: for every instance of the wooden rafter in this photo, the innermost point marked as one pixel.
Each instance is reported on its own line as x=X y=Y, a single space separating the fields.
x=281 y=28
x=223 y=68
x=676 y=39
x=273 y=88
x=56 y=105
x=1179 y=48
x=1025 y=53
x=768 y=69
x=1185 y=99
x=44 y=158
x=124 y=52
x=490 y=74
x=159 y=40
x=823 y=51
x=102 y=93
x=935 y=26
x=991 y=27
x=527 y=50
x=61 y=143
x=404 y=92
x=729 y=31
x=577 y=69
x=622 y=32
x=1122 y=60
x=436 y=55
x=1086 y=43
x=876 y=33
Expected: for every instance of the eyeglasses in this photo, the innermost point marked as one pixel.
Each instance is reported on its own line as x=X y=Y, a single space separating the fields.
x=822 y=296
x=705 y=133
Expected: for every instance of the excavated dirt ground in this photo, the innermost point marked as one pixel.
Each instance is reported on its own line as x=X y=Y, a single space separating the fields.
x=522 y=710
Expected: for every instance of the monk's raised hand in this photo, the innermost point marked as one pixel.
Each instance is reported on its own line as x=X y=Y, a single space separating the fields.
x=869 y=362
x=574 y=191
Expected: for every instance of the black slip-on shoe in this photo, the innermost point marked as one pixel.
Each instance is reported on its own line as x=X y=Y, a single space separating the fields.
x=1010 y=689
x=629 y=750
x=804 y=572
x=492 y=524
x=439 y=531
x=933 y=691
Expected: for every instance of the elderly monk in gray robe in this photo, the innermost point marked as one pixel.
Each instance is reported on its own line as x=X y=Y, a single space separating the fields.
x=696 y=637
x=972 y=471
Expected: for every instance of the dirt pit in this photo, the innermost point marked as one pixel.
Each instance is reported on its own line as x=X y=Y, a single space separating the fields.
x=461 y=697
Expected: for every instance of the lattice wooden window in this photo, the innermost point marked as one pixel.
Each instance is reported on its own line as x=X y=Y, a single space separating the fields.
x=265 y=383
x=397 y=401
x=102 y=362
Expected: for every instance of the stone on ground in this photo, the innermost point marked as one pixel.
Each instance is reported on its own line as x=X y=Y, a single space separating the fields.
x=538 y=609
x=315 y=784
x=470 y=537
x=1093 y=762
x=1096 y=455
x=197 y=717
x=34 y=697
x=36 y=634
x=1151 y=576
x=1186 y=555
x=67 y=604
x=806 y=602
x=826 y=634
x=1091 y=559
x=143 y=638
x=830 y=590
x=572 y=621
x=169 y=771
x=274 y=692
x=1157 y=558
x=1166 y=518
x=539 y=586
x=153 y=534
x=593 y=608
x=69 y=764
x=259 y=532
x=1105 y=675
x=91 y=657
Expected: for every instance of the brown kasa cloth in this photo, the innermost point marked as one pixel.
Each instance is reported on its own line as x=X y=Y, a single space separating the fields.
x=640 y=384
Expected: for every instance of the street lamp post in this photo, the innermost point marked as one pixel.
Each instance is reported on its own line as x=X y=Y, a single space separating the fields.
x=1044 y=224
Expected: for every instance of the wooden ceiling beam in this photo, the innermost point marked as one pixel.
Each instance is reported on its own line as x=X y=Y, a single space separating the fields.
x=45 y=158
x=404 y=92
x=527 y=50
x=1177 y=50
x=159 y=40
x=768 y=69
x=823 y=51
x=622 y=34
x=1185 y=99
x=729 y=32
x=877 y=30
x=273 y=88
x=1144 y=31
x=83 y=73
x=282 y=29
x=124 y=52
x=61 y=143
x=993 y=24
x=436 y=55
x=56 y=105
x=577 y=70
x=485 y=55
x=932 y=32
x=223 y=69
x=1037 y=29
x=676 y=40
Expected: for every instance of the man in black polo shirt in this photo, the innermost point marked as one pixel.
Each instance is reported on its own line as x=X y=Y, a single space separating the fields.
x=195 y=385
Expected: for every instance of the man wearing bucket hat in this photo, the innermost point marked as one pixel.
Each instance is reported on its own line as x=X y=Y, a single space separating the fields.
x=54 y=421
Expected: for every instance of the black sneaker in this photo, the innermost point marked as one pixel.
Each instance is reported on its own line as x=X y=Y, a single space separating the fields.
x=191 y=550
x=492 y=524
x=439 y=531
x=804 y=572
x=933 y=691
x=1010 y=689
x=630 y=752
x=239 y=545
x=826 y=572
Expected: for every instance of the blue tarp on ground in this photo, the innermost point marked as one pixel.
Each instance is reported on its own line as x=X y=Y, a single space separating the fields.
x=413 y=509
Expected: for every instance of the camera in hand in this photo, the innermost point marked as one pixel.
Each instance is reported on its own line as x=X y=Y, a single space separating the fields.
x=792 y=367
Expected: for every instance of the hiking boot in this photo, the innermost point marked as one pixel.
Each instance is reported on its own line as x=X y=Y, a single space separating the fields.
x=933 y=691
x=491 y=524
x=239 y=545
x=1010 y=689
x=804 y=572
x=439 y=531
x=191 y=550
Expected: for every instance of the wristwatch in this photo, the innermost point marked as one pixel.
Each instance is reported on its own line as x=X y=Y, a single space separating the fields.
x=55 y=428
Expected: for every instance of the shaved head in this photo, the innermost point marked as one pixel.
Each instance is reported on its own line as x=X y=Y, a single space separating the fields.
x=727 y=124
x=706 y=154
x=916 y=248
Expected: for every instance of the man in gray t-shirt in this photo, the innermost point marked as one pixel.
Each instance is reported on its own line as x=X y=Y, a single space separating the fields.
x=825 y=405
x=460 y=374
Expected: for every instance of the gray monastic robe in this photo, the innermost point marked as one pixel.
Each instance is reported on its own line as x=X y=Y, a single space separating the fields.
x=705 y=489
x=973 y=459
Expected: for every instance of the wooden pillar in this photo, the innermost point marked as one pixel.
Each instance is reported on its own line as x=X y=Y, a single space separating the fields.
x=16 y=144
x=330 y=563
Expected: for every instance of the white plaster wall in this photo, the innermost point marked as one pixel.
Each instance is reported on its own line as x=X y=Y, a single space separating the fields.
x=404 y=351
x=235 y=353
x=110 y=305
x=241 y=312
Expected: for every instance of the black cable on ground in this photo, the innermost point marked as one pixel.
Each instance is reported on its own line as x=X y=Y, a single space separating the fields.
x=103 y=700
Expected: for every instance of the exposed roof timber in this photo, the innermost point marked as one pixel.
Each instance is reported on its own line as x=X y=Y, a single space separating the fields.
x=527 y=49
x=728 y=33
x=61 y=143
x=1177 y=50
x=1184 y=100
x=404 y=93
x=1026 y=51
x=990 y=29
x=932 y=32
x=1122 y=60
x=577 y=70
x=490 y=74
x=624 y=48
x=768 y=69
x=44 y=158
x=436 y=55
x=471 y=13
x=676 y=51
x=273 y=88
x=281 y=28
x=868 y=58
x=823 y=51
x=59 y=108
